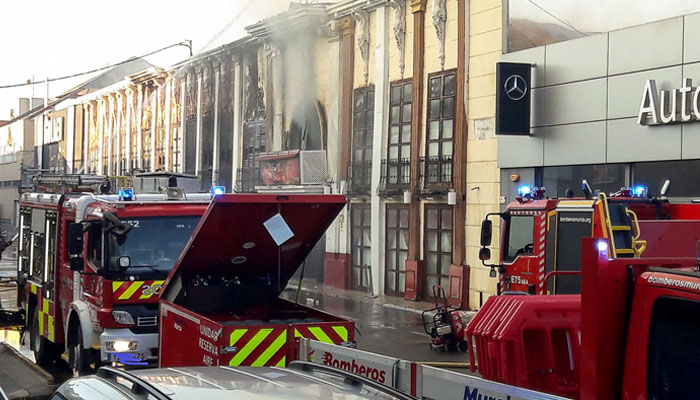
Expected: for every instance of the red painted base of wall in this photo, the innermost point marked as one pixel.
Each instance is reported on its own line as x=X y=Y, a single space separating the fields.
x=415 y=272
x=336 y=270
x=458 y=292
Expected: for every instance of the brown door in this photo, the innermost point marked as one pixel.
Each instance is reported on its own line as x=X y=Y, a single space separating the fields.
x=437 y=247
x=396 y=248
x=361 y=241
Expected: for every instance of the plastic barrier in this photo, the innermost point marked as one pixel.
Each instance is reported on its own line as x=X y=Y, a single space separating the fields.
x=421 y=381
x=530 y=342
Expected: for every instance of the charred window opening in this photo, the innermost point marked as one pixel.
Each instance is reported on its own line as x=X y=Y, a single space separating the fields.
x=307 y=129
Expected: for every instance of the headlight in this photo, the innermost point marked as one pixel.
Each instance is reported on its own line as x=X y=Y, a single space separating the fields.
x=121 y=345
x=123 y=317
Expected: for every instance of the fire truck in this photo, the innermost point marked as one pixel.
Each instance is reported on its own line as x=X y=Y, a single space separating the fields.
x=91 y=266
x=541 y=237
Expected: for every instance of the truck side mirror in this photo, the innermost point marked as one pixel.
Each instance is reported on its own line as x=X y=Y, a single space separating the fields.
x=75 y=239
x=484 y=254
x=486 y=226
x=77 y=264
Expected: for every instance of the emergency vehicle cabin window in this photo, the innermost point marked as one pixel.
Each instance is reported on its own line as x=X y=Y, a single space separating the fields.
x=520 y=234
x=674 y=349
x=95 y=249
x=37 y=242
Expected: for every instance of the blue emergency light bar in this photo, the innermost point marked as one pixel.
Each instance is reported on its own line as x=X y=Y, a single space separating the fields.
x=217 y=190
x=126 y=194
x=524 y=190
x=639 y=191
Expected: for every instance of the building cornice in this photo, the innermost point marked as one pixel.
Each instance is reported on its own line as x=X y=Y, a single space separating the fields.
x=346 y=8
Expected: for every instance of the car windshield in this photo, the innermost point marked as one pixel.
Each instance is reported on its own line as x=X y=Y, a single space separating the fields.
x=154 y=242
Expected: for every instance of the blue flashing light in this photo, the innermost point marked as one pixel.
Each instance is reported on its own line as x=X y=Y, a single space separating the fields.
x=639 y=191
x=126 y=194
x=602 y=246
x=524 y=190
x=217 y=190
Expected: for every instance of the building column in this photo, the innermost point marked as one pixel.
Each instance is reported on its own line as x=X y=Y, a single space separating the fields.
x=139 y=129
x=101 y=105
x=459 y=270
x=215 y=151
x=87 y=118
x=167 y=146
x=415 y=267
x=379 y=146
x=238 y=84
x=127 y=139
x=155 y=94
x=198 y=140
x=183 y=117
x=70 y=139
x=336 y=267
x=120 y=101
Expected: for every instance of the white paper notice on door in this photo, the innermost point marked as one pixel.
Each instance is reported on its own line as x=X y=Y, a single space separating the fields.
x=279 y=230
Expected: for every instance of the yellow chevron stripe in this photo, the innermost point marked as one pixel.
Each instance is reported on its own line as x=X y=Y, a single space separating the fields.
x=236 y=335
x=41 y=322
x=51 y=329
x=271 y=351
x=249 y=347
x=297 y=333
x=320 y=334
x=116 y=286
x=131 y=290
x=342 y=332
x=282 y=363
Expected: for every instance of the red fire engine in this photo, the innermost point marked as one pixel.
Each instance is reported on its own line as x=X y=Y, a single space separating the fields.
x=220 y=304
x=91 y=266
x=541 y=238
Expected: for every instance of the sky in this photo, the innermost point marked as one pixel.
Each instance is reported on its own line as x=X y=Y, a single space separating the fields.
x=43 y=38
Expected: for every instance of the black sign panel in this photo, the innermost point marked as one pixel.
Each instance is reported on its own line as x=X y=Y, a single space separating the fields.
x=513 y=98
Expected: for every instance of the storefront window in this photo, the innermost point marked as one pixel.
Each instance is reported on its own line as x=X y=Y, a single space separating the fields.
x=604 y=177
x=684 y=176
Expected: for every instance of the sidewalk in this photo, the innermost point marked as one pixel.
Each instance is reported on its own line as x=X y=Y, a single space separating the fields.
x=398 y=303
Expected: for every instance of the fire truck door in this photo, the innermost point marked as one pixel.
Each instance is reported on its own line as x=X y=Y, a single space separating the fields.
x=571 y=228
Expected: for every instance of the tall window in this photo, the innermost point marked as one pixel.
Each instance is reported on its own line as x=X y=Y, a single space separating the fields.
x=437 y=247
x=362 y=137
x=253 y=145
x=361 y=242
x=441 y=118
x=399 y=155
x=396 y=248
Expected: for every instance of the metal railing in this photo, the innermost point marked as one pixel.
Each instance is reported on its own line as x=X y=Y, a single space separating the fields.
x=436 y=174
x=359 y=177
x=396 y=176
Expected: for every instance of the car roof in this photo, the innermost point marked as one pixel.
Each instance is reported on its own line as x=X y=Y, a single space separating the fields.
x=214 y=383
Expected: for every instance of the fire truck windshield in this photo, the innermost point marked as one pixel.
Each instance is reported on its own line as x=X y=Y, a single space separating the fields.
x=519 y=236
x=153 y=242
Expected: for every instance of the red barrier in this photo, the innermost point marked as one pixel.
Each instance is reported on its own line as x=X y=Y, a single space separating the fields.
x=529 y=341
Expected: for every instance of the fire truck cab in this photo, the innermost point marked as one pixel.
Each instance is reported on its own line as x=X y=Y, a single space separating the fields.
x=90 y=269
x=541 y=237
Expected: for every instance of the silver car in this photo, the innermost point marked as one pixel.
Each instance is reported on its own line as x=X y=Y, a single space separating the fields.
x=301 y=380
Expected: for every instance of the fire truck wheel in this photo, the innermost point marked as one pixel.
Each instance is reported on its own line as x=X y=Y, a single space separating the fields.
x=78 y=357
x=462 y=345
x=44 y=351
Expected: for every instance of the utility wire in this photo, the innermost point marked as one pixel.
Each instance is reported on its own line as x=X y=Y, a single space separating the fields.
x=186 y=43
x=233 y=20
x=555 y=17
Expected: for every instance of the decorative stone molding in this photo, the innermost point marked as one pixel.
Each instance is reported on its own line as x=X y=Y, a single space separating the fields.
x=418 y=6
x=399 y=27
x=347 y=26
x=362 y=18
x=439 y=21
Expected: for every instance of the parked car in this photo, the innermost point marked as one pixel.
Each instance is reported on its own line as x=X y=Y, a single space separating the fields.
x=301 y=380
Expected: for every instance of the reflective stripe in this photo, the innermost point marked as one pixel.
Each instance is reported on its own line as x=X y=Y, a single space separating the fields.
x=115 y=286
x=248 y=348
x=320 y=334
x=271 y=350
x=45 y=305
x=236 y=335
x=32 y=288
x=342 y=332
x=282 y=362
x=51 y=329
x=41 y=323
x=130 y=291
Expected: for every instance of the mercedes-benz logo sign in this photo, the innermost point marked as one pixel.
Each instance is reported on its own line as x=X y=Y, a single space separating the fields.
x=515 y=87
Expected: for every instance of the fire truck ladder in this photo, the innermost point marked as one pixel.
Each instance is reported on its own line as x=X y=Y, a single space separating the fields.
x=69 y=182
x=619 y=220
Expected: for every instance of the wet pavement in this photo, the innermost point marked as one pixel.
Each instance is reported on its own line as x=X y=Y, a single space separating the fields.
x=384 y=325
